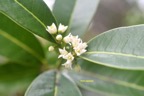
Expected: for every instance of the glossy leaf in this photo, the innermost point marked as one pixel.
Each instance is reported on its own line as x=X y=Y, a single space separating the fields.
x=33 y=16
x=52 y=83
x=17 y=44
x=109 y=81
x=121 y=48
x=75 y=13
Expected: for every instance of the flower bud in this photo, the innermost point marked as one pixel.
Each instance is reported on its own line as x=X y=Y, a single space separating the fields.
x=52 y=29
x=62 y=28
x=59 y=37
x=51 y=48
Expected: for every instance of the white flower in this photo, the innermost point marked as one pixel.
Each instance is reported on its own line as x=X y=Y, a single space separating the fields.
x=75 y=41
x=67 y=39
x=59 y=37
x=51 y=48
x=69 y=57
x=63 y=53
x=62 y=28
x=77 y=44
x=68 y=64
x=71 y=39
x=52 y=29
x=80 y=49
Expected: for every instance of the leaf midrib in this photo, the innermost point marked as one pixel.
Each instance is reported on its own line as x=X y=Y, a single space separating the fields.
x=30 y=13
x=114 y=53
x=115 y=81
x=15 y=21
x=112 y=65
x=56 y=82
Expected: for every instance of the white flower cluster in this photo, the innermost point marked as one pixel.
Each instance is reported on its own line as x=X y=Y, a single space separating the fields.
x=72 y=46
x=77 y=44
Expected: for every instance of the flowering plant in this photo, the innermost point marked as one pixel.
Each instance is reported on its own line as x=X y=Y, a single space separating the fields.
x=36 y=42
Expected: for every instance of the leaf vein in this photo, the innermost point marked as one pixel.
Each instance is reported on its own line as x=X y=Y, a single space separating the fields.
x=114 y=53
x=30 y=13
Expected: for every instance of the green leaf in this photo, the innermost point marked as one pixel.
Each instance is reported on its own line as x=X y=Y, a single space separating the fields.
x=52 y=58
x=109 y=81
x=120 y=48
x=17 y=44
x=63 y=10
x=13 y=72
x=15 y=78
x=39 y=9
x=82 y=16
x=34 y=16
x=75 y=13
x=53 y=83
x=3 y=60
x=14 y=89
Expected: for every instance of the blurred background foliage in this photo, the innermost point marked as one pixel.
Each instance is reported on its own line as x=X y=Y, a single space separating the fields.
x=110 y=14
x=116 y=13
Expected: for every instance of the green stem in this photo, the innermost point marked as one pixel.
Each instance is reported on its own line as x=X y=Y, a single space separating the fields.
x=59 y=64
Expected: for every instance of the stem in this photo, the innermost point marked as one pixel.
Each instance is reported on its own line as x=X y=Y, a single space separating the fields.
x=44 y=68
x=59 y=65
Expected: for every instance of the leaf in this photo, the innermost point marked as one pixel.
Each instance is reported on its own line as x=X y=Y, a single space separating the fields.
x=39 y=9
x=109 y=81
x=120 y=48
x=13 y=89
x=13 y=72
x=17 y=44
x=52 y=58
x=82 y=16
x=75 y=13
x=52 y=83
x=63 y=10
x=3 y=60
x=33 y=16
x=15 y=78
